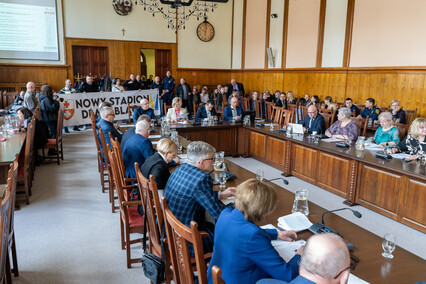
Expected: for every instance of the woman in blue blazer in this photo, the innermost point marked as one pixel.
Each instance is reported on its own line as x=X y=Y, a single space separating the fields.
x=242 y=249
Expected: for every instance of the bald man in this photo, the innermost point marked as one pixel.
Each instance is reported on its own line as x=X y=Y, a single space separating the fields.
x=325 y=260
x=143 y=109
x=30 y=100
x=313 y=121
x=235 y=86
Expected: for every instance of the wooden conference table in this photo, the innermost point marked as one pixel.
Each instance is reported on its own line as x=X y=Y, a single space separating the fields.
x=405 y=267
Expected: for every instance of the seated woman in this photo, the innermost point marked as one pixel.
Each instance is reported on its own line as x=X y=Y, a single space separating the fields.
x=290 y=98
x=386 y=135
x=176 y=111
x=414 y=144
x=116 y=86
x=24 y=116
x=49 y=109
x=315 y=100
x=344 y=127
x=243 y=250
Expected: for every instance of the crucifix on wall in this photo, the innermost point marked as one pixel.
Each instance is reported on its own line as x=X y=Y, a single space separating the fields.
x=123 y=30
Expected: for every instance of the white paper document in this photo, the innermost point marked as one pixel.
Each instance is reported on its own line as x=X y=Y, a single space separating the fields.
x=296 y=222
x=355 y=280
x=330 y=140
x=373 y=147
x=154 y=136
x=183 y=115
x=400 y=156
x=154 y=142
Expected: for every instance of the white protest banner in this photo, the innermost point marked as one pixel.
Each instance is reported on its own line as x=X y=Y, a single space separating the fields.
x=77 y=106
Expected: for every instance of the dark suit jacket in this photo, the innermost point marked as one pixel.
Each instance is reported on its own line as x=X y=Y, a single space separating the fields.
x=139 y=111
x=240 y=88
x=137 y=149
x=179 y=91
x=202 y=113
x=129 y=133
x=108 y=127
x=156 y=166
x=279 y=103
x=228 y=112
x=318 y=124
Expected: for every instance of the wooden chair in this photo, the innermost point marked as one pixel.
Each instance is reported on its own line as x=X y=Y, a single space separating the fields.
x=166 y=108
x=179 y=236
x=4 y=232
x=107 y=164
x=288 y=116
x=131 y=222
x=196 y=107
x=269 y=106
x=259 y=109
x=324 y=110
x=130 y=110
x=56 y=143
x=12 y=175
x=24 y=175
x=217 y=275
x=403 y=129
x=154 y=216
x=410 y=115
x=102 y=168
x=293 y=108
x=362 y=124
x=277 y=115
x=304 y=111
x=246 y=104
x=361 y=107
x=328 y=119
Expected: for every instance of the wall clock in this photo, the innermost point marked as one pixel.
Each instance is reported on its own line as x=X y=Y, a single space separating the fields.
x=205 y=31
x=122 y=7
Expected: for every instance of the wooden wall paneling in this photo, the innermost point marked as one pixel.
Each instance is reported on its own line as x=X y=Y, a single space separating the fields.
x=222 y=139
x=276 y=151
x=411 y=92
x=337 y=87
x=334 y=174
x=304 y=162
x=257 y=144
x=273 y=81
x=412 y=203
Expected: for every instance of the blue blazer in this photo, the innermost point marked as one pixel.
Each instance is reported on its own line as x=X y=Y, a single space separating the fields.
x=318 y=124
x=202 y=113
x=298 y=280
x=137 y=149
x=107 y=127
x=244 y=251
x=139 y=111
x=228 y=112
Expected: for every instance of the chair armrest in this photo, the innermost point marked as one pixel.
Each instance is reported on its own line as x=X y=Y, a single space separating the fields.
x=130 y=186
x=131 y=203
x=126 y=180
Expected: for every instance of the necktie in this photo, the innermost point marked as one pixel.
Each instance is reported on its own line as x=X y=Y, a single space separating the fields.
x=310 y=122
x=234 y=112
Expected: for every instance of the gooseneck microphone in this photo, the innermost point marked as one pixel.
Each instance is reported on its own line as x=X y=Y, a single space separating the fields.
x=356 y=213
x=284 y=180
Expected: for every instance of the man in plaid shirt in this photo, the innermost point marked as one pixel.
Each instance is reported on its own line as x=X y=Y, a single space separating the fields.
x=189 y=191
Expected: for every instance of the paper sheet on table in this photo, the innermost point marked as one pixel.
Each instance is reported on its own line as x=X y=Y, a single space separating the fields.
x=355 y=280
x=126 y=125
x=330 y=140
x=228 y=200
x=285 y=249
x=399 y=156
x=154 y=142
x=296 y=222
x=373 y=147
x=183 y=158
x=183 y=115
x=154 y=136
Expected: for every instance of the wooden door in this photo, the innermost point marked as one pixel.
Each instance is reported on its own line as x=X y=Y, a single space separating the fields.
x=90 y=60
x=143 y=65
x=163 y=62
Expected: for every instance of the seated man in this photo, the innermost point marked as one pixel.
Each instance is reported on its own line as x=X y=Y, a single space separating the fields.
x=131 y=131
x=349 y=104
x=206 y=111
x=370 y=110
x=398 y=114
x=20 y=99
x=313 y=121
x=143 y=109
x=189 y=191
x=282 y=101
x=107 y=126
x=137 y=149
x=325 y=259
x=233 y=111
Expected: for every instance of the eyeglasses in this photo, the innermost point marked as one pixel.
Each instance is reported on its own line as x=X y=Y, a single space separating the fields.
x=354 y=263
x=111 y=114
x=209 y=159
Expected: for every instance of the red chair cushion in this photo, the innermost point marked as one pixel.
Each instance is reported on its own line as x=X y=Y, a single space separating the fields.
x=51 y=142
x=135 y=219
x=20 y=172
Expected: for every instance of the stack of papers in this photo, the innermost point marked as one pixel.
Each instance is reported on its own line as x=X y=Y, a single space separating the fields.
x=296 y=222
x=154 y=137
x=331 y=140
x=400 y=156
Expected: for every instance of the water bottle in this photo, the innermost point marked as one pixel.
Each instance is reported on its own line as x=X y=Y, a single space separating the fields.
x=301 y=202
x=370 y=122
x=289 y=130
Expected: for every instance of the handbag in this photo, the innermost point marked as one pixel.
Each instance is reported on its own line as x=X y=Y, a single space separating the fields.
x=154 y=267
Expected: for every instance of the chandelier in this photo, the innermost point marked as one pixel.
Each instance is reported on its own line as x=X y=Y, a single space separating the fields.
x=177 y=12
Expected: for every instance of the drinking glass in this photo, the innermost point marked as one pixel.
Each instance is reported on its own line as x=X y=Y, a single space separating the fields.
x=388 y=245
x=260 y=175
x=271 y=127
x=301 y=202
x=222 y=180
x=219 y=161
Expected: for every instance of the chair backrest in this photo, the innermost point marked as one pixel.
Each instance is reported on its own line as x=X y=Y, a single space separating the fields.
x=268 y=110
x=410 y=115
x=13 y=171
x=104 y=146
x=259 y=109
x=122 y=196
x=179 y=236
x=196 y=107
x=60 y=125
x=116 y=147
x=217 y=275
x=303 y=111
x=324 y=110
x=293 y=108
x=288 y=116
x=93 y=121
x=166 y=107
x=4 y=230
x=246 y=104
x=403 y=129
x=28 y=148
x=328 y=119
x=130 y=111
x=361 y=107
x=277 y=115
x=362 y=124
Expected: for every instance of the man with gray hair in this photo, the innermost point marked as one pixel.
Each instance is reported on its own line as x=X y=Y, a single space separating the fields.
x=138 y=148
x=325 y=260
x=107 y=126
x=189 y=191
x=30 y=100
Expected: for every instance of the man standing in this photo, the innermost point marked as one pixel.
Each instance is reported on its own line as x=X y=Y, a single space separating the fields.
x=189 y=191
x=206 y=111
x=89 y=86
x=168 y=87
x=183 y=91
x=131 y=84
x=68 y=90
x=313 y=121
x=143 y=109
x=137 y=149
x=235 y=86
x=158 y=86
x=30 y=100
x=349 y=104
x=370 y=110
x=233 y=111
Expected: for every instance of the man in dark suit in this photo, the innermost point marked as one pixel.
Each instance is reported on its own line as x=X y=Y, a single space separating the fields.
x=206 y=111
x=137 y=149
x=235 y=86
x=88 y=86
x=282 y=101
x=349 y=104
x=233 y=111
x=143 y=109
x=183 y=91
x=131 y=131
x=131 y=84
x=107 y=126
x=313 y=121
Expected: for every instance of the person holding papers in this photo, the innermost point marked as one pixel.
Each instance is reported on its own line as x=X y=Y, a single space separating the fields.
x=176 y=113
x=241 y=248
x=313 y=121
x=344 y=128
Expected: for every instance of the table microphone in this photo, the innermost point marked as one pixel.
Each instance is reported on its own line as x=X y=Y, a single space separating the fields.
x=284 y=180
x=356 y=213
x=319 y=228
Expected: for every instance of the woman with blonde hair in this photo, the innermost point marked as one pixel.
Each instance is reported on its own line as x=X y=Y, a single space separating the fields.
x=241 y=248
x=176 y=111
x=414 y=144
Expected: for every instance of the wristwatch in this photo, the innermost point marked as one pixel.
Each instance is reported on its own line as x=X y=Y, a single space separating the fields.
x=387 y=144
